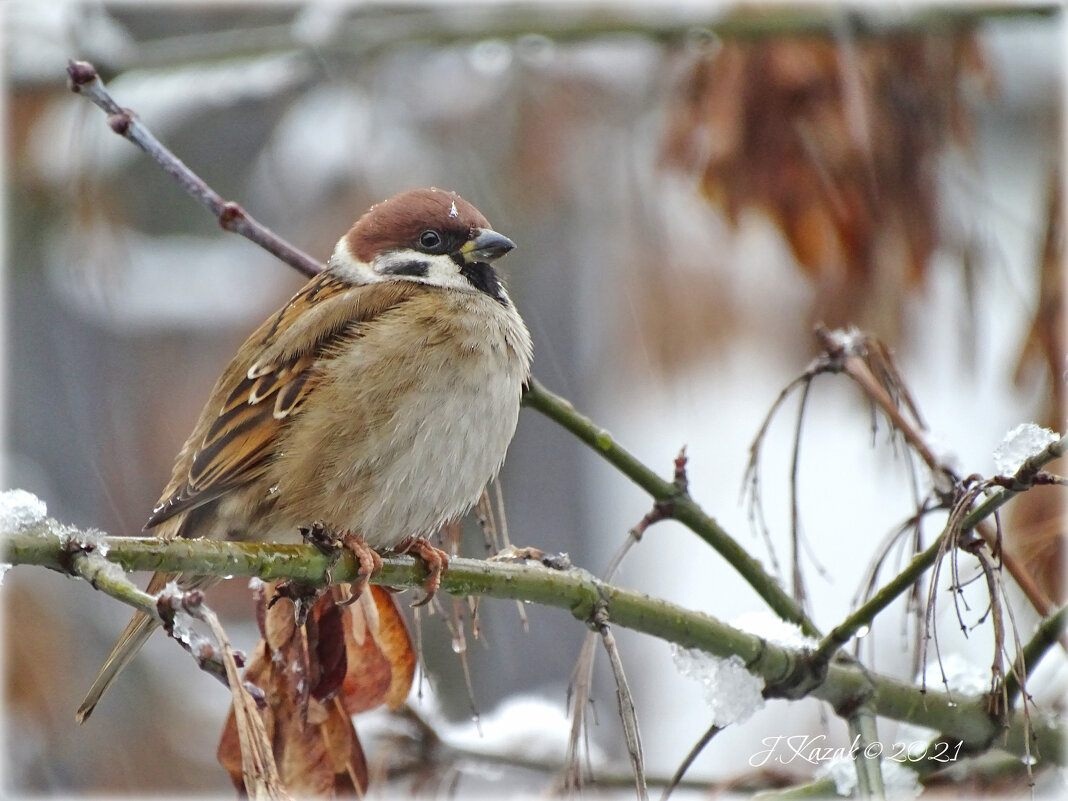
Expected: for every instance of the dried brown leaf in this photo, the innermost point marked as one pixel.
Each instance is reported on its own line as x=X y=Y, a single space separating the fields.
x=245 y=748
x=836 y=140
x=381 y=659
x=326 y=640
x=348 y=659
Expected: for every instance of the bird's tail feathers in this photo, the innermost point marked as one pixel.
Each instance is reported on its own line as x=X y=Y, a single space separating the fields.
x=135 y=635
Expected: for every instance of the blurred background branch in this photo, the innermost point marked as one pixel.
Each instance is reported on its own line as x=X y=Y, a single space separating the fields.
x=363 y=33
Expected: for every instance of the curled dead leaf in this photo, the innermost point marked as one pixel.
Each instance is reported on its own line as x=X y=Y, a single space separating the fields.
x=380 y=655
x=347 y=659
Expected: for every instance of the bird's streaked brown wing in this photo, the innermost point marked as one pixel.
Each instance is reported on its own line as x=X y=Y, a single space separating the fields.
x=266 y=384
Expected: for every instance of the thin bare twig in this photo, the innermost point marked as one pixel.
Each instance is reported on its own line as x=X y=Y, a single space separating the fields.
x=751 y=486
x=627 y=713
x=1049 y=631
x=687 y=762
x=497 y=535
x=870 y=364
x=576 y=769
x=861 y=356
x=582 y=676
x=231 y=216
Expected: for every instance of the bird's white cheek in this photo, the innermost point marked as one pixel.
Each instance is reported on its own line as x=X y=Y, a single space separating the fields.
x=348 y=266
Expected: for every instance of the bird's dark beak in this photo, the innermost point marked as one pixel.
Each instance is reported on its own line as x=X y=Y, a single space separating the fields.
x=486 y=246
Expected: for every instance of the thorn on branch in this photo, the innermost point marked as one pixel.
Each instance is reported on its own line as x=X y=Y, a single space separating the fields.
x=665 y=509
x=681 y=481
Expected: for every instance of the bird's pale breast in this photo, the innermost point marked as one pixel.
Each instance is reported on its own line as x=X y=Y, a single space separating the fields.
x=412 y=419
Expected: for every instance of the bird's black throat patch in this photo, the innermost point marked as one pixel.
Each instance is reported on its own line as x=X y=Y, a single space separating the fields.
x=484 y=278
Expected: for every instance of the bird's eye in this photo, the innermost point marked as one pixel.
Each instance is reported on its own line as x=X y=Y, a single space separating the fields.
x=430 y=239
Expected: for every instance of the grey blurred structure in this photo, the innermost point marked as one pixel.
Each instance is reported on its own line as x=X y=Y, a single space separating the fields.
x=123 y=301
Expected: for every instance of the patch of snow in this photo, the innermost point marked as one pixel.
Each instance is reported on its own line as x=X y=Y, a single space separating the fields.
x=769 y=626
x=900 y=782
x=526 y=725
x=109 y=570
x=19 y=510
x=1023 y=442
x=961 y=676
x=90 y=539
x=843 y=773
x=732 y=693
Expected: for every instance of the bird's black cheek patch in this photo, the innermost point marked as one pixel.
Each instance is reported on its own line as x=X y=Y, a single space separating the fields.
x=416 y=268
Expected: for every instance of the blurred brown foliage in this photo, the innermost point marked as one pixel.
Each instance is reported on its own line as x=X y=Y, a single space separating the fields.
x=836 y=141
x=1039 y=519
x=346 y=659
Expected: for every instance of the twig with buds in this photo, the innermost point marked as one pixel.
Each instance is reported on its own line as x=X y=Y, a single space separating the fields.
x=671 y=499
x=862 y=357
x=83 y=80
x=104 y=575
x=85 y=557
x=177 y=608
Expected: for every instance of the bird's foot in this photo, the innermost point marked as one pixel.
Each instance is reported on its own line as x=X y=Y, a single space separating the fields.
x=435 y=559
x=370 y=563
x=332 y=544
x=302 y=595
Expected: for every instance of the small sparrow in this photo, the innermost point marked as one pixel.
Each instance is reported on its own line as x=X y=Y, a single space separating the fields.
x=377 y=403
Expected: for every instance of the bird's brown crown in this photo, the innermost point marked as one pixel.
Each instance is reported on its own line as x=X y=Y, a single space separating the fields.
x=399 y=221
